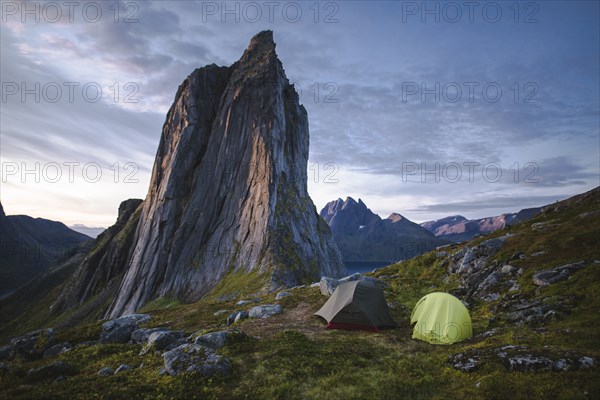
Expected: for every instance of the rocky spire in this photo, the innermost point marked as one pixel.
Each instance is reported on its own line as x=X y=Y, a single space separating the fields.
x=229 y=187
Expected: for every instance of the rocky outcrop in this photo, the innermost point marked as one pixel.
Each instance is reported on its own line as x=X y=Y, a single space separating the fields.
x=265 y=311
x=519 y=359
x=120 y=330
x=549 y=276
x=362 y=235
x=31 y=345
x=229 y=187
x=194 y=358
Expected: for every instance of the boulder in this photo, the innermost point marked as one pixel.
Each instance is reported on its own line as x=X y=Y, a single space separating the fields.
x=465 y=362
x=586 y=362
x=507 y=269
x=562 y=364
x=51 y=370
x=215 y=340
x=236 y=316
x=162 y=339
x=5 y=352
x=549 y=276
x=122 y=368
x=106 y=371
x=529 y=363
x=33 y=344
x=194 y=358
x=57 y=349
x=140 y=336
x=281 y=295
x=119 y=330
x=265 y=311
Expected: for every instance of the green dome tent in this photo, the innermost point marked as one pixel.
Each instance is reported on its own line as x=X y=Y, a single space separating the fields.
x=441 y=319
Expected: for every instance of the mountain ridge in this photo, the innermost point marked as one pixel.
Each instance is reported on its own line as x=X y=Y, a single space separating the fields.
x=30 y=245
x=457 y=228
x=363 y=235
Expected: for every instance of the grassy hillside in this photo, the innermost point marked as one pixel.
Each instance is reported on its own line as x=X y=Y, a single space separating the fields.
x=292 y=356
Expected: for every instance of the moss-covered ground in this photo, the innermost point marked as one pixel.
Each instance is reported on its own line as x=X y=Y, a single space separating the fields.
x=292 y=356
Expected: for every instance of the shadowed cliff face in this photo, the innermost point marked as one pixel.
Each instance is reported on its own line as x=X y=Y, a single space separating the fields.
x=228 y=190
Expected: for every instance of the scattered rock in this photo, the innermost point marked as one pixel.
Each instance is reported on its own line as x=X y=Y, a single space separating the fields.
x=544 y=226
x=529 y=363
x=122 y=368
x=515 y=287
x=491 y=246
x=586 y=362
x=465 y=362
x=52 y=370
x=281 y=295
x=32 y=345
x=216 y=340
x=441 y=254
x=195 y=358
x=507 y=269
x=106 y=371
x=297 y=287
x=119 y=330
x=538 y=254
x=516 y=358
x=528 y=312
x=488 y=333
x=550 y=276
x=227 y=297
x=491 y=297
x=562 y=364
x=265 y=311
x=161 y=340
x=5 y=352
x=236 y=316
x=489 y=281
x=243 y=302
x=57 y=349
x=140 y=336
x=220 y=312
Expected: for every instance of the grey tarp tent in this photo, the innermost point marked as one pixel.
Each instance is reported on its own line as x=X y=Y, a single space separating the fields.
x=356 y=305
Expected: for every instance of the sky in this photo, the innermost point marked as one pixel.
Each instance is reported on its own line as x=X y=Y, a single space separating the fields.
x=427 y=109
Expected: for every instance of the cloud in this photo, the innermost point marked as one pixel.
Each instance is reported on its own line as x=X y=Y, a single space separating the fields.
x=353 y=83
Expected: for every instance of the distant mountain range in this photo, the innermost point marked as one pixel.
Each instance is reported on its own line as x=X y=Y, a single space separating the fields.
x=459 y=229
x=362 y=235
x=91 y=231
x=29 y=246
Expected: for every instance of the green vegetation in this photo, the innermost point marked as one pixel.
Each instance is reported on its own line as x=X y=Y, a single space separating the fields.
x=292 y=356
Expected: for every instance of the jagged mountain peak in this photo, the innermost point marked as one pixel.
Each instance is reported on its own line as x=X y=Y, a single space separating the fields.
x=363 y=236
x=395 y=217
x=228 y=191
